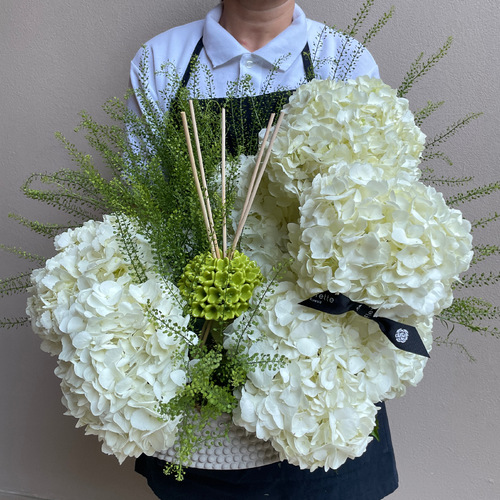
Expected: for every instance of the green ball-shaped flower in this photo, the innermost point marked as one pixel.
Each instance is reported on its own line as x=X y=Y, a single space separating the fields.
x=218 y=289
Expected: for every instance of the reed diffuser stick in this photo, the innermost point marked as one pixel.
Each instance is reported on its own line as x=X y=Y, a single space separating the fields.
x=197 y=184
x=223 y=176
x=252 y=191
x=203 y=178
x=257 y=163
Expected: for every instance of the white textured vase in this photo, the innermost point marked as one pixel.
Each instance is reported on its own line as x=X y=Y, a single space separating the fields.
x=239 y=450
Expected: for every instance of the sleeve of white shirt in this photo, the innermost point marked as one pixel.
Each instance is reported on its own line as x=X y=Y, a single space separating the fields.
x=337 y=56
x=366 y=66
x=158 y=65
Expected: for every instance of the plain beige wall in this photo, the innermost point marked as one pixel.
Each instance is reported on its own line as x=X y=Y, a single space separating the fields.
x=61 y=56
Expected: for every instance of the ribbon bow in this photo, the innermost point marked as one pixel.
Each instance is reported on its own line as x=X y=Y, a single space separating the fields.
x=404 y=337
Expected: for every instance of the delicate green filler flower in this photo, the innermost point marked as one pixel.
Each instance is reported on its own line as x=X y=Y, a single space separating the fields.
x=219 y=289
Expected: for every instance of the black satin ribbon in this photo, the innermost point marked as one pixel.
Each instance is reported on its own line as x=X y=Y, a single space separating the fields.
x=404 y=337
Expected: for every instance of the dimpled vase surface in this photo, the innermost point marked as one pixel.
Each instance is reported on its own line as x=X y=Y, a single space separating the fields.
x=239 y=450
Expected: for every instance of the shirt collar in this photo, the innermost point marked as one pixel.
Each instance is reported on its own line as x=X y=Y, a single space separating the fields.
x=220 y=46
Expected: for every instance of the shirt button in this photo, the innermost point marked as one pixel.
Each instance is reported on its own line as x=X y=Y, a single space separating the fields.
x=249 y=63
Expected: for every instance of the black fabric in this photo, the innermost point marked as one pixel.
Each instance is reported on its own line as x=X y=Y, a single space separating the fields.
x=372 y=476
x=248 y=115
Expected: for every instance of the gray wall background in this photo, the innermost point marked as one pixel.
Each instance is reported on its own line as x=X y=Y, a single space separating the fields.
x=60 y=56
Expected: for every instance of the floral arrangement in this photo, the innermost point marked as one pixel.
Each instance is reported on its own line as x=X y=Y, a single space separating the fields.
x=160 y=326
x=356 y=221
x=113 y=363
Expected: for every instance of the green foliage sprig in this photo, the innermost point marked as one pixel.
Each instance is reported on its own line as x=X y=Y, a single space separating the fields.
x=421 y=67
x=467 y=311
x=344 y=64
x=214 y=372
x=485 y=221
x=378 y=26
x=13 y=322
x=15 y=284
x=473 y=194
x=483 y=252
x=360 y=17
x=424 y=113
x=39 y=259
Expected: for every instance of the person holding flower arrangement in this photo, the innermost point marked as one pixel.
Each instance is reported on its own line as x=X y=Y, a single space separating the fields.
x=261 y=271
x=258 y=52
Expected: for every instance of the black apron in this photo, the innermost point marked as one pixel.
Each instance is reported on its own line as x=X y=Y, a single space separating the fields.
x=369 y=477
x=246 y=116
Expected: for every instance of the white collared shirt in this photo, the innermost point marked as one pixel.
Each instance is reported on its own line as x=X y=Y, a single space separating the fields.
x=224 y=61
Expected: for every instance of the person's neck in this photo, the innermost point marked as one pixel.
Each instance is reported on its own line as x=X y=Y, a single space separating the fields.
x=254 y=23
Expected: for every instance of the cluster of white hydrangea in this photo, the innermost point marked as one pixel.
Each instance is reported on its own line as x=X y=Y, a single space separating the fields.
x=343 y=198
x=320 y=408
x=330 y=122
x=114 y=364
x=392 y=245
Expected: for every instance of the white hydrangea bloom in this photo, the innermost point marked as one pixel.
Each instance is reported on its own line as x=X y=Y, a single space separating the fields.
x=343 y=197
x=329 y=122
x=320 y=408
x=392 y=245
x=114 y=365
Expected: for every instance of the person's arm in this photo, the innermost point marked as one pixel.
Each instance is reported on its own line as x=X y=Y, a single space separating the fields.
x=156 y=68
x=142 y=80
x=337 y=56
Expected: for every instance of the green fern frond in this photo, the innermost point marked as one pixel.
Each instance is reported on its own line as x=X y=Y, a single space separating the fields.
x=9 y=323
x=424 y=113
x=446 y=181
x=482 y=252
x=419 y=68
x=47 y=230
x=467 y=310
x=377 y=27
x=23 y=254
x=474 y=280
x=473 y=313
x=453 y=343
x=63 y=194
x=473 y=194
x=359 y=18
x=451 y=130
x=484 y=221
x=438 y=155
x=15 y=284
x=129 y=249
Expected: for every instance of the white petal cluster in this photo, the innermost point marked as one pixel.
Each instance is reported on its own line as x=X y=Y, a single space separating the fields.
x=392 y=245
x=319 y=409
x=343 y=196
x=328 y=122
x=114 y=364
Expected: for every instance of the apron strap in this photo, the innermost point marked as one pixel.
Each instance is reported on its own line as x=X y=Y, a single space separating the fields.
x=192 y=62
x=307 y=61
